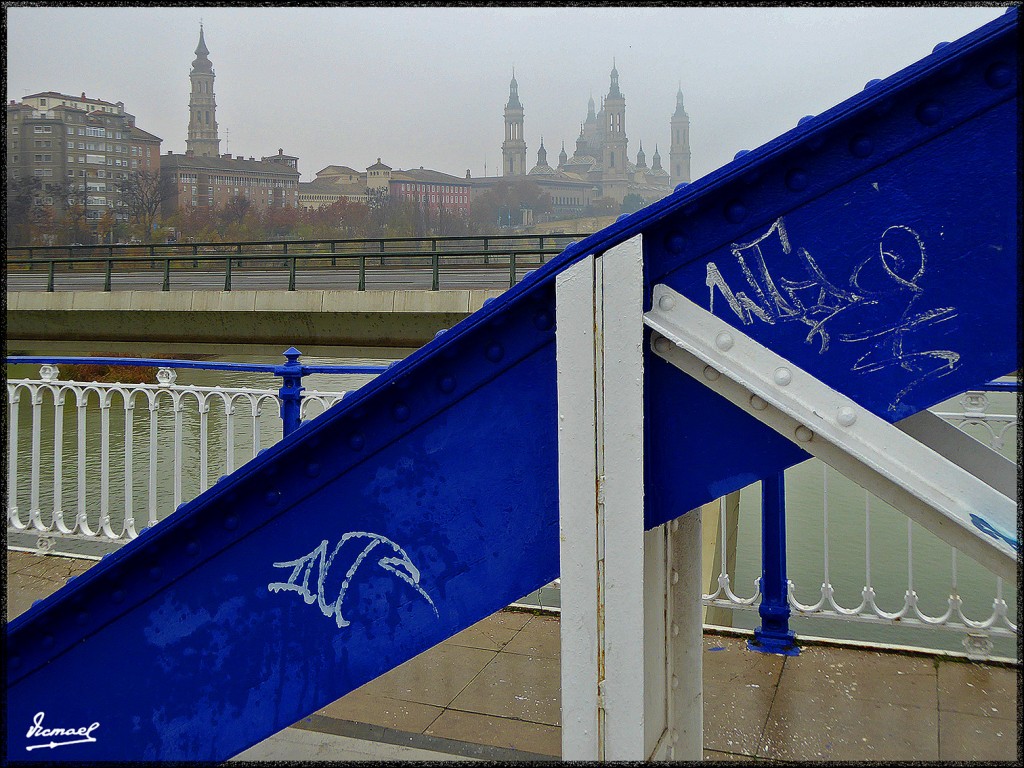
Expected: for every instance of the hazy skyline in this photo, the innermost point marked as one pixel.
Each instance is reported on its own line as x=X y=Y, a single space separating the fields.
x=427 y=86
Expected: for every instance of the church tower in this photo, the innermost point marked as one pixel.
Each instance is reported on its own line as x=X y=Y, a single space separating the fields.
x=513 y=149
x=613 y=149
x=679 y=151
x=202 y=109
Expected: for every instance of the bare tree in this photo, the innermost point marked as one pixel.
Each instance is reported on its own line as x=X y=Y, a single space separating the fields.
x=143 y=193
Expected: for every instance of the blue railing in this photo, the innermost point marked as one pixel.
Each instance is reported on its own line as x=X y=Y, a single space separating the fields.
x=291 y=373
x=774 y=634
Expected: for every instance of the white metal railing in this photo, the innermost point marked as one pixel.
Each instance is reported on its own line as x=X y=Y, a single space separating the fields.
x=100 y=482
x=990 y=619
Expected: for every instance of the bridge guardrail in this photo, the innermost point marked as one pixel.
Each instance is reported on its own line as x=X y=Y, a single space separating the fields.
x=224 y=257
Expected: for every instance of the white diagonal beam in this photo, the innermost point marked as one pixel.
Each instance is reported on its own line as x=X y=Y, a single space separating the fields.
x=940 y=495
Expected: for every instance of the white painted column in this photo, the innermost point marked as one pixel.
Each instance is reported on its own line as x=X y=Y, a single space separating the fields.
x=685 y=639
x=577 y=499
x=623 y=589
x=626 y=651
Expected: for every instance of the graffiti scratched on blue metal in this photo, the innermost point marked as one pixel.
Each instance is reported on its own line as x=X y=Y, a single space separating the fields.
x=875 y=245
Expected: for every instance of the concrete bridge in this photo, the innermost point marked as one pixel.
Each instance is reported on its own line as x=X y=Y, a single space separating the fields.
x=379 y=318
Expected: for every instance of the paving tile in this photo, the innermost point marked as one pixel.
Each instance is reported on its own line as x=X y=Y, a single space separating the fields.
x=735 y=715
x=435 y=677
x=869 y=676
x=23 y=590
x=540 y=637
x=521 y=687
x=972 y=737
x=492 y=633
x=978 y=689
x=363 y=707
x=828 y=725
x=498 y=732
x=739 y=685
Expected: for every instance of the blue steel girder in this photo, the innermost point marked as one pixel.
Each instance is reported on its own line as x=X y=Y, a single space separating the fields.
x=428 y=499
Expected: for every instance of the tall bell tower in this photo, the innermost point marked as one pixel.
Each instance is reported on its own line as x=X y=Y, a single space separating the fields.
x=513 y=149
x=202 y=108
x=679 y=150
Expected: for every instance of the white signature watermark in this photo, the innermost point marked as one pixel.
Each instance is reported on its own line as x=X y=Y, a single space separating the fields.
x=37 y=731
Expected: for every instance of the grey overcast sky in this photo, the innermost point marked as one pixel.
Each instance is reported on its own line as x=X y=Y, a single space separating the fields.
x=427 y=86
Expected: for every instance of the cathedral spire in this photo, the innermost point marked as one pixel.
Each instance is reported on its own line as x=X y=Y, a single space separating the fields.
x=613 y=91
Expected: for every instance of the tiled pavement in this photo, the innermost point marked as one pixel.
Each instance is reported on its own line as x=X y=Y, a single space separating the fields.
x=492 y=692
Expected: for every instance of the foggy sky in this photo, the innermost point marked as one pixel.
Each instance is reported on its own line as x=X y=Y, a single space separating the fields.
x=427 y=86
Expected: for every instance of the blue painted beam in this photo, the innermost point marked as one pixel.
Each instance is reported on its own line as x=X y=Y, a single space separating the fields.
x=428 y=499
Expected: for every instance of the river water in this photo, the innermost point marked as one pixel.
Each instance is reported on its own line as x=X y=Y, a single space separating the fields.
x=848 y=539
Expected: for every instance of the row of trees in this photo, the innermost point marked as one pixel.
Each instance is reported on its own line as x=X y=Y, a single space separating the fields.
x=55 y=213
x=139 y=198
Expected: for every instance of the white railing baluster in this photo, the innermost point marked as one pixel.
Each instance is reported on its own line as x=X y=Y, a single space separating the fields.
x=13 y=401
x=105 y=462
x=154 y=408
x=58 y=460
x=177 y=404
x=129 y=466
x=204 y=438
x=34 y=513
x=81 y=522
x=229 y=449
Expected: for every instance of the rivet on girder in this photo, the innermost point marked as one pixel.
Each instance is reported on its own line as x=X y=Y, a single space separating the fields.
x=940 y=46
x=675 y=577
x=231 y=522
x=356 y=442
x=999 y=75
x=675 y=682
x=724 y=341
x=667 y=303
x=47 y=641
x=871 y=83
x=711 y=374
x=155 y=572
x=192 y=548
x=803 y=434
x=312 y=469
x=118 y=596
x=782 y=376
x=446 y=384
x=495 y=352
x=82 y=617
x=736 y=212
x=675 y=735
x=675 y=630
x=929 y=113
x=861 y=146
x=757 y=403
x=846 y=416
x=675 y=243
x=796 y=180
x=674 y=525
x=661 y=344
x=400 y=412
x=542 y=321
x=270 y=498
x=804 y=119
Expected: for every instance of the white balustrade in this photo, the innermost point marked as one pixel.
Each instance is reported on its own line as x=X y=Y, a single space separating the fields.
x=194 y=434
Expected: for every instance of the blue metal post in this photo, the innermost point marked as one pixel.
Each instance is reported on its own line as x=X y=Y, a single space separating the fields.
x=291 y=390
x=774 y=634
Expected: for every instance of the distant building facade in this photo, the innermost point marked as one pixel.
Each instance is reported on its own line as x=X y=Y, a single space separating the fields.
x=205 y=178
x=429 y=189
x=81 y=149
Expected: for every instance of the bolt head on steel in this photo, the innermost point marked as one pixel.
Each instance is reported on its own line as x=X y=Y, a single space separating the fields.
x=757 y=403
x=724 y=341
x=661 y=344
x=666 y=302
x=846 y=416
x=782 y=376
x=803 y=434
x=711 y=374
